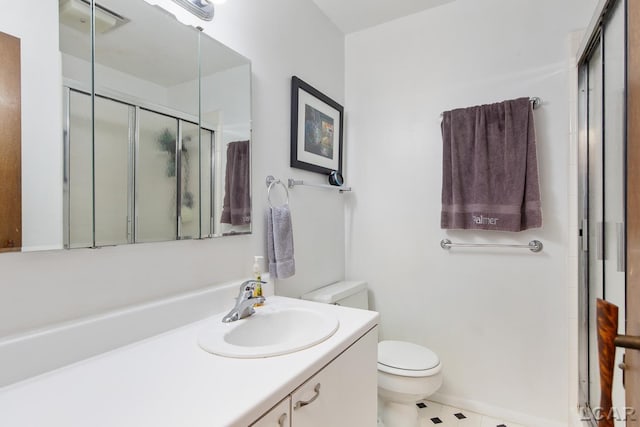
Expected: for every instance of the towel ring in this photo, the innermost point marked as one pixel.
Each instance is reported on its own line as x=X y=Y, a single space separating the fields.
x=271 y=181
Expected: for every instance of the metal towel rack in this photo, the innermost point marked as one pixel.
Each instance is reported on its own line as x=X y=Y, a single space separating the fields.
x=271 y=181
x=340 y=188
x=293 y=182
x=535 y=103
x=533 y=246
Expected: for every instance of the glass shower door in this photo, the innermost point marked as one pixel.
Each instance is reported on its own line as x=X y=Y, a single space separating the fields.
x=595 y=214
x=80 y=171
x=207 y=161
x=614 y=178
x=113 y=134
x=156 y=177
x=189 y=181
x=603 y=127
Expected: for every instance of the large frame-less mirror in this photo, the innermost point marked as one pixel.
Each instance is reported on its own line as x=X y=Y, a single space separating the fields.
x=156 y=130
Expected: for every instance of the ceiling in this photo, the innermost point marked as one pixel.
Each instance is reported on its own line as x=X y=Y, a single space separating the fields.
x=151 y=45
x=355 y=15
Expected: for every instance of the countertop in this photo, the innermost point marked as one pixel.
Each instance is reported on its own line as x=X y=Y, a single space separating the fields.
x=168 y=380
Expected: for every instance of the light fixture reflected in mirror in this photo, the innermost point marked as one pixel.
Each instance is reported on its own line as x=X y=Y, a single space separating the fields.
x=203 y=9
x=77 y=14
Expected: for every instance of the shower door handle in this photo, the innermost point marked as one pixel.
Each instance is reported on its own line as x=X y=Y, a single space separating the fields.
x=585 y=235
x=620 y=246
x=600 y=241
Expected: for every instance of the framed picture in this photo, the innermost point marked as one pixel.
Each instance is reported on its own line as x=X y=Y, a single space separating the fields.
x=316 y=129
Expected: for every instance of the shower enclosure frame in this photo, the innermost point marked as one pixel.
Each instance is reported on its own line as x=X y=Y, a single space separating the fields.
x=593 y=42
x=135 y=105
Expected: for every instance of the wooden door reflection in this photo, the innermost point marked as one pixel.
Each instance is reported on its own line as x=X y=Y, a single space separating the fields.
x=10 y=145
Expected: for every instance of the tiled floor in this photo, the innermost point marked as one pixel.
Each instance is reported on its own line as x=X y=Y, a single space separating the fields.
x=434 y=414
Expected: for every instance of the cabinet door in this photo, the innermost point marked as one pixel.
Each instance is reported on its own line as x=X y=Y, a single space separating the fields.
x=344 y=393
x=279 y=416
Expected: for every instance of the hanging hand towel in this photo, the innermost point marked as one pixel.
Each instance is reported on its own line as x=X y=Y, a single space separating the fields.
x=236 y=208
x=280 y=242
x=490 y=169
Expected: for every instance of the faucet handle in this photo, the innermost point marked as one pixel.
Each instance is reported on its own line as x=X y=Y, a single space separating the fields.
x=249 y=286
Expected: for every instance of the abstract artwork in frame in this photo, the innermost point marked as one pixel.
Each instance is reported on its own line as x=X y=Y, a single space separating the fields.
x=316 y=129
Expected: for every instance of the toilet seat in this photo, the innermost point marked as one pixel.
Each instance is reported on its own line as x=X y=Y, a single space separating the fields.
x=407 y=359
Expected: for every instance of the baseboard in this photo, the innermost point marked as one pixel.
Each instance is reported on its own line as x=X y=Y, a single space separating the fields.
x=496 y=412
x=575 y=419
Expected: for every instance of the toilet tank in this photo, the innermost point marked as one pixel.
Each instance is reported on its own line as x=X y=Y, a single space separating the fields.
x=346 y=293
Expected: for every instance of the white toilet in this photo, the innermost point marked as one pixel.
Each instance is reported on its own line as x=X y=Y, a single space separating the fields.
x=407 y=372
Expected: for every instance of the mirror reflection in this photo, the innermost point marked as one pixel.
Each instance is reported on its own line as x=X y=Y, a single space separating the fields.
x=161 y=151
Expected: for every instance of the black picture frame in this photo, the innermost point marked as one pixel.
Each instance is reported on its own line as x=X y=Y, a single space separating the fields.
x=316 y=145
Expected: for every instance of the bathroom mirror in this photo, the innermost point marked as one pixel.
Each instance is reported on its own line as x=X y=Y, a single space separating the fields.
x=156 y=132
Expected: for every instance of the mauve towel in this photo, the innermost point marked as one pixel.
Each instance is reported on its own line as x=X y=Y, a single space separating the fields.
x=489 y=168
x=280 y=242
x=236 y=208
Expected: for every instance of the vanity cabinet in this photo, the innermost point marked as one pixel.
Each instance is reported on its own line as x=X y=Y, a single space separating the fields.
x=343 y=393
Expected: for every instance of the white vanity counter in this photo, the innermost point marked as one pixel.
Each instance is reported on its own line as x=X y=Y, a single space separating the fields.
x=168 y=380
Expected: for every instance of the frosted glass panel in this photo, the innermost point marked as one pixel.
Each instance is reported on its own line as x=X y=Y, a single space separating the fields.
x=156 y=181
x=80 y=208
x=206 y=183
x=112 y=133
x=189 y=192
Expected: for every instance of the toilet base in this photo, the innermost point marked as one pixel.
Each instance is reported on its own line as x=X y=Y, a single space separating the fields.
x=396 y=414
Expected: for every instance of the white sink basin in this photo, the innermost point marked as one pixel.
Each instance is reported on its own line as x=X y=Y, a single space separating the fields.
x=271 y=331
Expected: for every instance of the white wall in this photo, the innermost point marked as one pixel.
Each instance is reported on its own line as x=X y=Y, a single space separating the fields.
x=115 y=82
x=285 y=38
x=41 y=120
x=497 y=318
x=282 y=38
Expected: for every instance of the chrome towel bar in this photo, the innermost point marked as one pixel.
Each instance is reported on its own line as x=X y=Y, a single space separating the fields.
x=533 y=246
x=535 y=103
x=294 y=182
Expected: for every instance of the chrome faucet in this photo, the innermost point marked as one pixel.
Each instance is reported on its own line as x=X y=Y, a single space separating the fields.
x=244 y=302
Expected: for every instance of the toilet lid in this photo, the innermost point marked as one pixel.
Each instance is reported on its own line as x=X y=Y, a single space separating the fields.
x=406 y=356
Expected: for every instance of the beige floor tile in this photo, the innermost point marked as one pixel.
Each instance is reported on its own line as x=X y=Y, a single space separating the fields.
x=432 y=410
x=446 y=414
x=470 y=419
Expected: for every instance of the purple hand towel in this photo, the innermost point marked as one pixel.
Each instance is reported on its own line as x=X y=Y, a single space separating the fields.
x=489 y=168
x=280 y=242
x=236 y=208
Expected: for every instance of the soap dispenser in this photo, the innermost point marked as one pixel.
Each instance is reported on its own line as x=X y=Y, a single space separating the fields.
x=257 y=275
